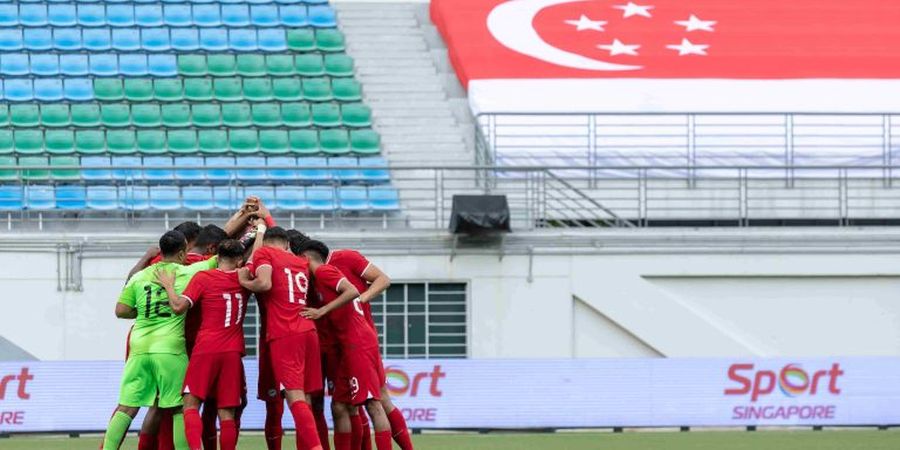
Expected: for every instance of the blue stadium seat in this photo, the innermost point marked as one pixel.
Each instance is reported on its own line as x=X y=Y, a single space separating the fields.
x=61 y=15
x=272 y=40
x=377 y=175
x=346 y=170
x=40 y=198
x=96 y=40
x=120 y=15
x=207 y=15
x=294 y=16
x=185 y=39
x=9 y=15
x=264 y=15
x=265 y=193
x=33 y=15
x=91 y=15
x=48 y=89
x=353 y=198
x=102 y=198
x=126 y=39
x=317 y=170
x=277 y=171
x=127 y=167
x=213 y=39
x=11 y=198
x=166 y=174
x=235 y=15
x=44 y=64
x=71 y=197
x=14 y=64
x=320 y=198
x=226 y=197
x=177 y=15
x=67 y=39
x=197 y=198
x=189 y=168
x=220 y=174
x=165 y=198
x=155 y=39
x=78 y=89
x=135 y=198
x=290 y=198
x=133 y=65
x=251 y=168
x=34 y=39
x=10 y=40
x=322 y=16
x=104 y=64
x=384 y=198
x=162 y=65
x=99 y=174
x=242 y=40
x=148 y=15
x=17 y=90
x=73 y=65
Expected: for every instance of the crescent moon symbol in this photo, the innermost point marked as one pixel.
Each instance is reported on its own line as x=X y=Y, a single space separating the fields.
x=511 y=25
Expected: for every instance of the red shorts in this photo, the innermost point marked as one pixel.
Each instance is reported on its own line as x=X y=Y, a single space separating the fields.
x=266 y=386
x=362 y=376
x=216 y=375
x=296 y=362
x=331 y=363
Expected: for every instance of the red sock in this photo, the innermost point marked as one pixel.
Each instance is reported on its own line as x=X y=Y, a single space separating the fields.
x=399 y=430
x=237 y=427
x=322 y=428
x=210 y=414
x=229 y=434
x=165 y=437
x=366 y=431
x=342 y=441
x=383 y=440
x=273 y=430
x=307 y=437
x=356 y=432
x=146 y=442
x=193 y=428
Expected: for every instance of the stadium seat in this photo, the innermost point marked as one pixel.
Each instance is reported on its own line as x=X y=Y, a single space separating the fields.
x=213 y=40
x=197 y=198
x=40 y=198
x=313 y=170
x=330 y=40
x=273 y=142
x=346 y=90
x=165 y=173
x=6 y=142
x=221 y=65
x=207 y=15
x=90 y=142
x=162 y=65
x=11 y=198
x=44 y=64
x=104 y=174
x=356 y=115
x=294 y=16
x=212 y=141
x=28 y=142
x=134 y=198
x=345 y=169
x=115 y=115
x=282 y=168
x=228 y=89
x=8 y=171
x=34 y=174
x=339 y=65
x=198 y=89
x=57 y=173
x=303 y=40
x=48 y=89
x=272 y=40
x=102 y=198
x=85 y=115
x=310 y=65
x=236 y=115
x=168 y=90
x=136 y=89
x=182 y=141
x=317 y=90
x=266 y=114
x=165 y=198
x=24 y=115
x=54 y=115
x=304 y=142
x=146 y=116
x=250 y=65
x=290 y=198
x=258 y=89
x=326 y=115
x=220 y=174
x=71 y=198
x=265 y=193
x=127 y=167
x=322 y=16
x=151 y=142
x=250 y=168
x=365 y=142
x=73 y=65
x=189 y=168
x=121 y=142
x=33 y=14
x=176 y=115
x=192 y=65
x=353 y=198
x=101 y=64
x=226 y=198
x=334 y=142
x=320 y=198
x=296 y=115
x=59 y=142
x=287 y=89
x=206 y=115
x=280 y=65
x=109 y=89
x=384 y=199
x=243 y=141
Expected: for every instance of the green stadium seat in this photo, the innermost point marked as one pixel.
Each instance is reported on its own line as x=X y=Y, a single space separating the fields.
x=301 y=40
x=85 y=115
x=296 y=115
x=365 y=142
x=24 y=115
x=192 y=65
x=287 y=89
x=6 y=142
x=227 y=89
x=304 y=142
x=310 y=65
x=274 y=142
x=121 y=142
x=206 y=115
x=29 y=142
x=243 y=141
x=182 y=141
x=236 y=115
x=280 y=65
x=266 y=115
x=90 y=142
x=65 y=174
x=346 y=90
x=115 y=115
x=34 y=174
x=334 y=142
x=151 y=142
x=138 y=89
x=221 y=65
x=317 y=90
x=146 y=116
x=356 y=115
x=59 y=142
x=330 y=40
x=326 y=115
x=168 y=90
x=8 y=170
x=4 y=115
x=258 y=89
x=251 y=65
x=176 y=115
x=198 y=89
x=213 y=141
x=339 y=65
x=55 y=115
x=108 y=89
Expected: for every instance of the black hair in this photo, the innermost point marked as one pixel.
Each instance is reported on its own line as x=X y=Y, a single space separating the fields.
x=190 y=230
x=171 y=243
x=296 y=238
x=210 y=235
x=231 y=248
x=318 y=247
x=276 y=234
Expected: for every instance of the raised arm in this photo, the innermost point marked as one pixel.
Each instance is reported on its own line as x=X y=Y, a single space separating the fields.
x=378 y=283
x=261 y=283
x=144 y=261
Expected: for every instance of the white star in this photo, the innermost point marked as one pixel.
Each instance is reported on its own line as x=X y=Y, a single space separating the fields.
x=633 y=9
x=618 y=48
x=688 y=48
x=694 y=23
x=584 y=23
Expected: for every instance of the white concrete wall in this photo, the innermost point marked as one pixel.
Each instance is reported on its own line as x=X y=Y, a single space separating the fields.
x=674 y=305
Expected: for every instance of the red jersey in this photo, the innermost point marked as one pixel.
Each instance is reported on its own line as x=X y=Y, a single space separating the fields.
x=348 y=322
x=190 y=258
x=223 y=302
x=353 y=265
x=287 y=297
x=192 y=321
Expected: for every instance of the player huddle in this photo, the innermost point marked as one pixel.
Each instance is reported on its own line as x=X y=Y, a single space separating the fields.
x=188 y=299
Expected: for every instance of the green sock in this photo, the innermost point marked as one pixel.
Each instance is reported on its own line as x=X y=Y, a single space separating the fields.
x=115 y=432
x=178 y=434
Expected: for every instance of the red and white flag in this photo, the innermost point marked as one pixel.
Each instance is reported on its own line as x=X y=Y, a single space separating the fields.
x=675 y=55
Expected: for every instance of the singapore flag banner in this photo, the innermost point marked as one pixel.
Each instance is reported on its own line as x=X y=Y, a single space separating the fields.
x=833 y=56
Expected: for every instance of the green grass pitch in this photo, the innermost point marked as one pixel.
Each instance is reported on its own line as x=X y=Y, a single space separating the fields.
x=694 y=440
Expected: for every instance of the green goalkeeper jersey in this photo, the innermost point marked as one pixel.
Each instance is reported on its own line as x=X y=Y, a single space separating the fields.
x=156 y=328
